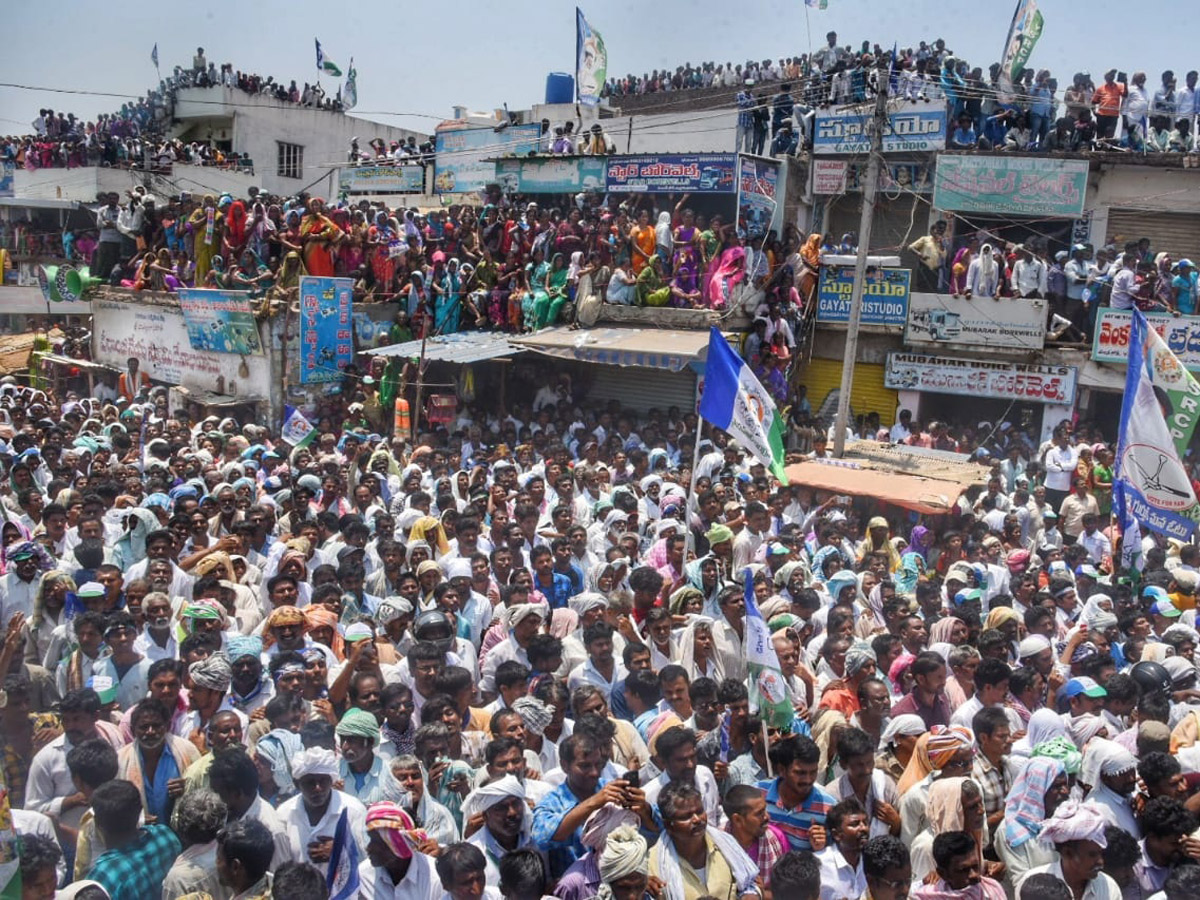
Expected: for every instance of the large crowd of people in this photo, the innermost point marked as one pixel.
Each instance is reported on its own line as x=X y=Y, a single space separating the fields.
x=510 y=659
x=1121 y=113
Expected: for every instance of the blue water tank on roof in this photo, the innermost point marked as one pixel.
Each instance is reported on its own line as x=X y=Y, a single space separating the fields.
x=560 y=88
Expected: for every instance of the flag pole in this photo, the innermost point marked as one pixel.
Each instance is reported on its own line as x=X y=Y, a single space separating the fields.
x=766 y=740
x=690 y=547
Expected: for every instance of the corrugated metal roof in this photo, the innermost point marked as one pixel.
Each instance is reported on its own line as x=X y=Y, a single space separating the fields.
x=462 y=347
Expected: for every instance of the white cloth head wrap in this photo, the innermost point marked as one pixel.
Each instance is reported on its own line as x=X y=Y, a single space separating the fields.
x=484 y=798
x=624 y=853
x=314 y=761
x=1075 y=821
x=907 y=723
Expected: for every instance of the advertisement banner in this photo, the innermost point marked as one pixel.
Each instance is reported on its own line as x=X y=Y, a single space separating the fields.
x=326 y=327
x=1029 y=382
x=158 y=337
x=1023 y=34
x=957 y=321
x=756 y=196
x=561 y=175
x=382 y=180
x=829 y=176
x=913 y=128
x=220 y=321
x=999 y=185
x=884 y=302
x=699 y=173
x=460 y=155
x=1114 y=327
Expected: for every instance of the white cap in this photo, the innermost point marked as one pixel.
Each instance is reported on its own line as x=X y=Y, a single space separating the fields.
x=1032 y=646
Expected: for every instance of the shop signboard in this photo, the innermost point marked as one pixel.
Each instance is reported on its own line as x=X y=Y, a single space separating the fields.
x=1114 y=327
x=158 y=337
x=885 y=296
x=408 y=179
x=1027 y=382
x=697 y=173
x=957 y=321
x=557 y=175
x=912 y=128
x=326 y=327
x=461 y=155
x=1010 y=185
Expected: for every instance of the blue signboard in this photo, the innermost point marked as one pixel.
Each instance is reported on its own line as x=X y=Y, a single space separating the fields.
x=884 y=302
x=914 y=128
x=220 y=321
x=460 y=163
x=326 y=327
x=699 y=173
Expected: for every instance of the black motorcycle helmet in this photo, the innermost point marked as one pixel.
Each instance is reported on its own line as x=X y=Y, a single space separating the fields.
x=1152 y=678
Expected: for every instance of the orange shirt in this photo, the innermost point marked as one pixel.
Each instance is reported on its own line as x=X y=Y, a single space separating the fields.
x=644 y=239
x=1107 y=99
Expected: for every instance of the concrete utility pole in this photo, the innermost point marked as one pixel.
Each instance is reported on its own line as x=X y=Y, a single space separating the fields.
x=878 y=124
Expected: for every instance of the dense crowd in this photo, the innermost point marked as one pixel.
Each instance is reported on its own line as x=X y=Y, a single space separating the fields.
x=509 y=659
x=505 y=266
x=1076 y=282
x=1028 y=115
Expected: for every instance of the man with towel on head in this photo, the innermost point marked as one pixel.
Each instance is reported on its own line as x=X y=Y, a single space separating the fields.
x=394 y=866
x=506 y=821
x=1076 y=831
x=310 y=819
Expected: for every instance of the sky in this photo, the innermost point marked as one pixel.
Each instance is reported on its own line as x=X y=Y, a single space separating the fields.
x=419 y=60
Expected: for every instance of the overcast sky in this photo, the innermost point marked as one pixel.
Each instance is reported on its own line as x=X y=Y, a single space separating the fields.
x=418 y=60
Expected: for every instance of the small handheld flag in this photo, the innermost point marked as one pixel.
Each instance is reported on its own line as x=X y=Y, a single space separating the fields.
x=154 y=55
x=768 y=690
x=296 y=430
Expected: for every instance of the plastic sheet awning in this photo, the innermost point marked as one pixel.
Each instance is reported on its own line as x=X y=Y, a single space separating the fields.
x=463 y=347
x=919 y=493
x=651 y=348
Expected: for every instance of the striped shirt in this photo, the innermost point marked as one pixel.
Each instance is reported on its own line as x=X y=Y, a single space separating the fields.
x=796 y=823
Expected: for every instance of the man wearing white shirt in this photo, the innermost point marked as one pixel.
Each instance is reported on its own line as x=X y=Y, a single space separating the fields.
x=1092 y=540
x=312 y=842
x=677 y=748
x=1061 y=460
x=1135 y=109
x=1028 y=275
x=902 y=430
x=841 y=862
x=601 y=669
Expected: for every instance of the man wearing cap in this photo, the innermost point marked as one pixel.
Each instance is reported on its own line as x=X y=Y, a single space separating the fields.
x=1163 y=612
x=19 y=588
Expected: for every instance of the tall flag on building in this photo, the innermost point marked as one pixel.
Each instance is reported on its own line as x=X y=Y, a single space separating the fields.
x=1023 y=35
x=325 y=65
x=817 y=4
x=735 y=400
x=591 y=61
x=768 y=690
x=296 y=430
x=342 y=877
x=154 y=55
x=1159 y=413
x=350 y=92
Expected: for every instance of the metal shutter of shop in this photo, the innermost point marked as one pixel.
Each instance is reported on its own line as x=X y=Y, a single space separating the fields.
x=867 y=394
x=641 y=389
x=1175 y=233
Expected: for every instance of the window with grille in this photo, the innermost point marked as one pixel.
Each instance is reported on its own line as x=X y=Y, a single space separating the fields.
x=291 y=160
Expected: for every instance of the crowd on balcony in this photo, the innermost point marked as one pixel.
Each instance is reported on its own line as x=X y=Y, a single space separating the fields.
x=773 y=97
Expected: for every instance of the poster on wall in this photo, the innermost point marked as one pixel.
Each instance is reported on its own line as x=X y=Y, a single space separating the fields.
x=757 y=183
x=562 y=175
x=158 y=337
x=829 y=176
x=326 y=327
x=884 y=302
x=382 y=180
x=220 y=321
x=1030 y=382
x=462 y=154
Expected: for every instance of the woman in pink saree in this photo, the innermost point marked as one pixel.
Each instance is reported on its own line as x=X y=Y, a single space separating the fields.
x=729 y=272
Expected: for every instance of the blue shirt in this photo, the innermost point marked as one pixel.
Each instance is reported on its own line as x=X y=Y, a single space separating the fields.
x=1039 y=101
x=1185 y=293
x=547 y=816
x=158 y=802
x=963 y=137
x=796 y=823
x=558 y=593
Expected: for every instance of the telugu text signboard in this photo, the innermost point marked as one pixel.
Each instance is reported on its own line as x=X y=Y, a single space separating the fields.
x=1020 y=185
x=884 y=302
x=697 y=173
x=1114 y=327
x=382 y=180
x=947 y=320
x=1029 y=382
x=913 y=128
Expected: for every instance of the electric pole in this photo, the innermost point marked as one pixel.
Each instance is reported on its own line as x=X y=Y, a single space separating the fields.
x=878 y=124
